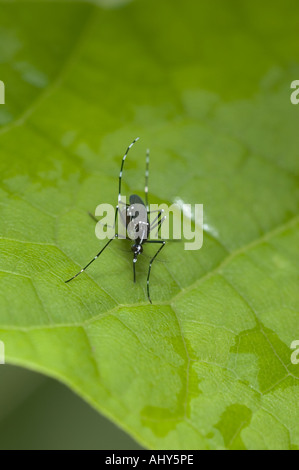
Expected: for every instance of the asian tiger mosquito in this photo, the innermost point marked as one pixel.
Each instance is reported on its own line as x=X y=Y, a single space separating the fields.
x=141 y=228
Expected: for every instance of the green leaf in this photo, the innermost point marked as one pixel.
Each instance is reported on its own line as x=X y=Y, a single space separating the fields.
x=206 y=85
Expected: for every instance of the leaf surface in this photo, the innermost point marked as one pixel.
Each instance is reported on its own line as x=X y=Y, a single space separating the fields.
x=206 y=85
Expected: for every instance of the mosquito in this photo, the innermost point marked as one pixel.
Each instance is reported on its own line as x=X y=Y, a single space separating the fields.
x=136 y=222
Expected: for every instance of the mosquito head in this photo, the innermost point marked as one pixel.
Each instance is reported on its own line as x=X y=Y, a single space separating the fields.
x=137 y=249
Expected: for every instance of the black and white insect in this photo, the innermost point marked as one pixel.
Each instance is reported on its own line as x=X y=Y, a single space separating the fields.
x=136 y=222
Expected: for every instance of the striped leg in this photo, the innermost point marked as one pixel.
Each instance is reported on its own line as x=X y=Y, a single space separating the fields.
x=93 y=259
x=157 y=220
x=151 y=262
x=158 y=225
x=98 y=221
x=121 y=173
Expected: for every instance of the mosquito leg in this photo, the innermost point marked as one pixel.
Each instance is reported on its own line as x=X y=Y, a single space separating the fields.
x=160 y=212
x=134 y=270
x=83 y=269
x=157 y=222
x=93 y=217
x=123 y=203
x=120 y=178
x=158 y=225
x=162 y=242
x=122 y=167
x=98 y=221
x=159 y=215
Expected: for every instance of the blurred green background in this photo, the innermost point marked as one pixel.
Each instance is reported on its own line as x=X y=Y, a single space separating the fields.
x=37 y=412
